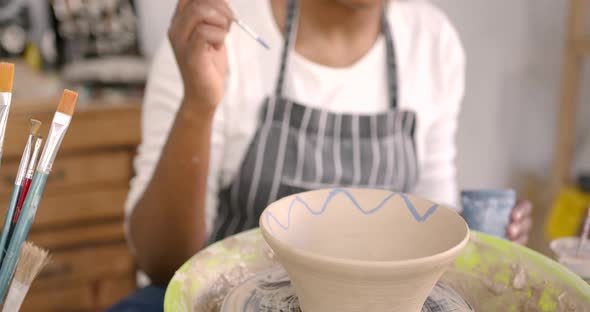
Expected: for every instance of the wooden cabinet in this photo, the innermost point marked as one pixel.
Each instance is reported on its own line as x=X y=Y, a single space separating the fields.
x=80 y=219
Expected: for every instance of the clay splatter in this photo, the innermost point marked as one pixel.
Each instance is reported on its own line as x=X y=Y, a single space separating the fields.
x=488 y=289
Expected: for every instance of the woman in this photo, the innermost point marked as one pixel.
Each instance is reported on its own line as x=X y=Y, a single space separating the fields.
x=353 y=92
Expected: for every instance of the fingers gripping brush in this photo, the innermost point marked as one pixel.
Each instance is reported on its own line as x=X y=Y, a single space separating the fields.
x=59 y=126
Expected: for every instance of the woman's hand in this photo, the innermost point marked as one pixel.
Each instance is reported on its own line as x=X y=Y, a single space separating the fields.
x=197 y=34
x=518 y=231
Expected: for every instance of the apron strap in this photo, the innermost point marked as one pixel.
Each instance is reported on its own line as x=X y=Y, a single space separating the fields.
x=289 y=40
x=290 y=35
x=392 y=78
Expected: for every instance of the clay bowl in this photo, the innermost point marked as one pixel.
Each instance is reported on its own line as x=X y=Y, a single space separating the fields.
x=362 y=249
x=566 y=249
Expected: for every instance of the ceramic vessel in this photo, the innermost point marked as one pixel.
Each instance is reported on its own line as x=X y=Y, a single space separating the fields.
x=271 y=290
x=566 y=250
x=488 y=211
x=362 y=249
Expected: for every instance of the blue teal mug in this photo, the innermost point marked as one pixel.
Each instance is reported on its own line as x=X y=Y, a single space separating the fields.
x=488 y=211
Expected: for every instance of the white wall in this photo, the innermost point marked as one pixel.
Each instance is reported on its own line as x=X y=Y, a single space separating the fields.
x=514 y=51
x=154 y=17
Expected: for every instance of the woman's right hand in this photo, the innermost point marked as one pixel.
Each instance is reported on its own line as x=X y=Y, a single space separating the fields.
x=197 y=34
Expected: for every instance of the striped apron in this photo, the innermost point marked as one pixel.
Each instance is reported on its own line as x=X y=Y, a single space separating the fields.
x=298 y=148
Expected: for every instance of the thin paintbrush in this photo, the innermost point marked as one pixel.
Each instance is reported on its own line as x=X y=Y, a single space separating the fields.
x=59 y=126
x=6 y=81
x=251 y=32
x=31 y=261
x=26 y=185
x=585 y=233
x=22 y=168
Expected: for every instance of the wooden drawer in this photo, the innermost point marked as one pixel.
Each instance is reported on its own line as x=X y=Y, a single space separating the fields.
x=94 y=296
x=85 y=265
x=71 y=172
x=77 y=236
x=92 y=128
x=93 y=205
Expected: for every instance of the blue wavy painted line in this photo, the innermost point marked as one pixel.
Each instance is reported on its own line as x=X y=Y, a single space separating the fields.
x=419 y=218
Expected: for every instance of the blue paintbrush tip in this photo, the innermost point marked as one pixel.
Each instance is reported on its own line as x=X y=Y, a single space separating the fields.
x=263 y=43
x=252 y=33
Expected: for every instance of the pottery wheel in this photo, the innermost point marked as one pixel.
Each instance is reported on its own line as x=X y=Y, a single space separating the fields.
x=271 y=291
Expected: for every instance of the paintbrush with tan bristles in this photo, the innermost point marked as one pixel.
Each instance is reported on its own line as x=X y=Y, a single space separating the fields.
x=59 y=127
x=6 y=81
x=31 y=261
x=13 y=210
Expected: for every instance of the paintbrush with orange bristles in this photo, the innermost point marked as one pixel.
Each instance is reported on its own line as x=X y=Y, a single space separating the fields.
x=13 y=209
x=59 y=126
x=6 y=81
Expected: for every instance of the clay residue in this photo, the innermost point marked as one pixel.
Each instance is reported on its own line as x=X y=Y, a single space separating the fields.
x=523 y=286
x=519 y=276
x=232 y=243
x=532 y=303
x=495 y=287
x=565 y=303
x=269 y=253
x=217 y=288
x=524 y=291
x=212 y=299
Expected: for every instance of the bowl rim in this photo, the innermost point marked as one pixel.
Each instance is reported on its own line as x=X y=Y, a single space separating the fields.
x=352 y=263
x=559 y=244
x=501 y=191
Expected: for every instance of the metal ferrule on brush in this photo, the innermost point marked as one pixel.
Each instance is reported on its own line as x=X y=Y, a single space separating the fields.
x=5 y=98
x=58 y=129
x=24 y=161
x=32 y=163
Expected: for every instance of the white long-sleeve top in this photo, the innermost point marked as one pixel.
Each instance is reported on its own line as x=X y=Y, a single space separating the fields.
x=431 y=66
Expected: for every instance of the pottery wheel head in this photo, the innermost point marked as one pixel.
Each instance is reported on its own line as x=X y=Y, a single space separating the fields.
x=271 y=291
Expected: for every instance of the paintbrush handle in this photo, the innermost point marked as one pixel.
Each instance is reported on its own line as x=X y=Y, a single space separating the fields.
x=251 y=33
x=5 y=101
x=24 y=190
x=586 y=229
x=6 y=229
x=585 y=232
x=21 y=199
x=16 y=296
x=21 y=231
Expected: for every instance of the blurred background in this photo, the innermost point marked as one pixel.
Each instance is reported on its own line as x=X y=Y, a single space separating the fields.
x=523 y=123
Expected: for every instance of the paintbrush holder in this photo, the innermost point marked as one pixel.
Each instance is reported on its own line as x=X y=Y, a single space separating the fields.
x=361 y=249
